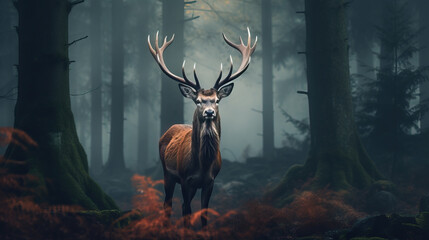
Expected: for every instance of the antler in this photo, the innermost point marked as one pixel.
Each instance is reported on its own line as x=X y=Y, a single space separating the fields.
x=157 y=53
x=246 y=52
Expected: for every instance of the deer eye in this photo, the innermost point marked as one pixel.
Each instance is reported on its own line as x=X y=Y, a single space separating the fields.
x=198 y=102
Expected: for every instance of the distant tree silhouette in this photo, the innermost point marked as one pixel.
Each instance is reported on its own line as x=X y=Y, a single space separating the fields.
x=267 y=82
x=387 y=116
x=116 y=160
x=96 y=107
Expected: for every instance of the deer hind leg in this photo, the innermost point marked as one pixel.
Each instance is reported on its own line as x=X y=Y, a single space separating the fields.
x=206 y=193
x=169 y=185
x=188 y=193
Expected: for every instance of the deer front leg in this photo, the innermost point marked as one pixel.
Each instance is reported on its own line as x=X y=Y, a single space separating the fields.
x=169 y=185
x=206 y=193
x=188 y=193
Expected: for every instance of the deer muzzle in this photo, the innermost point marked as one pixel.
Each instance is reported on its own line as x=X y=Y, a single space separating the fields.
x=209 y=113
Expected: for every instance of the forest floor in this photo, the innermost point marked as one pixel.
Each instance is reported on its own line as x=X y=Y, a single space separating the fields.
x=236 y=184
x=238 y=193
x=237 y=211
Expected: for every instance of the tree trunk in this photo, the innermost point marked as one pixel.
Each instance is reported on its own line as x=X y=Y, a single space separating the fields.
x=385 y=152
x=43 y=109
x=171 y=99
x=116 y=161
x=145 y=62
x=96 y=108
x=424 y=57
x=143 y=128
x=336 y=153
x=267 y=82
x=337 y=158
x=386 y=51
x=8 y=57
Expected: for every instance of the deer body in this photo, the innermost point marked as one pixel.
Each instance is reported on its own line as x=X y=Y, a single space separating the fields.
x=190 y=155
x=182 y=159
x=186 y=159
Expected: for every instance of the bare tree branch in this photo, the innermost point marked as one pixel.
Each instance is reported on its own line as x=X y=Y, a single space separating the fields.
x=215 y=11
x=77 y=40
x=76 y=2
x=206 y=10
x=84 y=93
x=191 y=18
x=9 y=94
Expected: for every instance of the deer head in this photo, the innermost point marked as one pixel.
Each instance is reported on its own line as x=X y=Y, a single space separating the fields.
x=206 y=100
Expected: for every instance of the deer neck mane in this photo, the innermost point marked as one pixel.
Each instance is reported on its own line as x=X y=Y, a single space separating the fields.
x=205 y=141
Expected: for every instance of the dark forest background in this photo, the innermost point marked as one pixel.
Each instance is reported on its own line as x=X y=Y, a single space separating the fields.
x=332 y=111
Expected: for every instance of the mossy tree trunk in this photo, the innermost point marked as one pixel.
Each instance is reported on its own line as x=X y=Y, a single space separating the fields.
x=116 y=162
x=337 y=158
x=43 y=109
x=267 y=82
x=96 y=108
x=171 y=100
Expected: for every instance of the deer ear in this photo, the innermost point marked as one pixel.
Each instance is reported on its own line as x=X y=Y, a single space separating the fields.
x=187 y=91
x=225 y=91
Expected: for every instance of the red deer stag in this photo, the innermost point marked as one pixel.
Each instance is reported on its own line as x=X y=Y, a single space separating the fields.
x=190 y=155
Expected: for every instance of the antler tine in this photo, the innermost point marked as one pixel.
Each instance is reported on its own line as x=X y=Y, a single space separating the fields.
x=230 y=67
x=216 y=86
x=196 y=78
x=246 y=52
x=236 y=46
x=248 y=37
x=156 y=42
x=220 y=75
x=254 y=45
x=152 y=51
x=158 y=55
x=183 y=72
